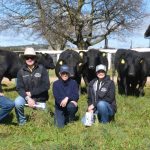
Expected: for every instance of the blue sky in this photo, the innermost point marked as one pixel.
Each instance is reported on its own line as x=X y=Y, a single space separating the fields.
x=9 y=38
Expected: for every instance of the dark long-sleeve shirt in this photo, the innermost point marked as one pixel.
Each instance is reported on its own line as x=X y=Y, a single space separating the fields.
x=106 y=92
x=62 y=89
x=36 y=82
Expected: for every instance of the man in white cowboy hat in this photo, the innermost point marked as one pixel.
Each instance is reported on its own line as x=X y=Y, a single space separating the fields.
x=66 y=94
x=32 y=84
x=101 y=95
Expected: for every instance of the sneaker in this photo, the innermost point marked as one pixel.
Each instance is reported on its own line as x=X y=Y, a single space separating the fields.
x=22 y=123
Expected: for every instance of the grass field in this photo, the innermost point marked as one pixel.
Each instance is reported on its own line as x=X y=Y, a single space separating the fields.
x=129 y=131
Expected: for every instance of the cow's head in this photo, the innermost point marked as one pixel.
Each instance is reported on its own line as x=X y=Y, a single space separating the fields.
x=140 y=65
x=73 y=60
x=46 y=60
x=131 y=63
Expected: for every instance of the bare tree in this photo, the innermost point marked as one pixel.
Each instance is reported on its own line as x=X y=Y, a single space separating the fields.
x=82 y=22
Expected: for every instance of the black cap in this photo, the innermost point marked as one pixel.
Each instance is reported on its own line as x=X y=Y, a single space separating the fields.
x=64 y=68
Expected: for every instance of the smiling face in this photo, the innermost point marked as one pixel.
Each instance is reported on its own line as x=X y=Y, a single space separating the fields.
x=30 y=60
x=64 y=76
x=101 y=74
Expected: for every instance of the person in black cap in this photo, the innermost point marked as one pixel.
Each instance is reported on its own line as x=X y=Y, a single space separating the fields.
x=66 y=94
x=101 y=95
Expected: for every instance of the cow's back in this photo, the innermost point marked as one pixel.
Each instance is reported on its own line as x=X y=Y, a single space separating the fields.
x=9 y=64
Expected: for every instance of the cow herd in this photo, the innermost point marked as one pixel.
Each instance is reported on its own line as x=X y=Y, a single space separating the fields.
x=132 y=67
x=82 y=64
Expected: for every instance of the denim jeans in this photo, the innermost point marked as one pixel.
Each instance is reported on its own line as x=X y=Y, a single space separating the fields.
x=104 y=111
x=6 y=105
x=19 y=108
x=65 y=115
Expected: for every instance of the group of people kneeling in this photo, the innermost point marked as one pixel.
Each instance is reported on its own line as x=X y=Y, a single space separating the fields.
x=33 y=85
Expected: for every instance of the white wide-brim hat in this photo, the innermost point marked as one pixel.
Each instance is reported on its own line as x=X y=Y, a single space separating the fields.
x=29 y=51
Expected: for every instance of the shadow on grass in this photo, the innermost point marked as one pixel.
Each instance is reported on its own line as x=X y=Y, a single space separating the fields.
x=8 y=120
x=9 y=89
x=77 y=118
x=4 y=85
x=83 y=90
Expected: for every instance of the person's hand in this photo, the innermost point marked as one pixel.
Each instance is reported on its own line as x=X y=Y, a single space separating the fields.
x=1 y=94
x=28 y=94
x=75 y=103
x=91 y=108
x=31 y=102
x=64 y=102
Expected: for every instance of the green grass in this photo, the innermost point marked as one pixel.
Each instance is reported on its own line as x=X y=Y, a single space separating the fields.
x=130 y=131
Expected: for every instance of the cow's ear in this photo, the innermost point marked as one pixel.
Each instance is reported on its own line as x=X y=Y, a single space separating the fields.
x=104 y=54
x=38 y=55
x=122 y=61
x=61 y=62
x=80 y=64
x=21 y=55
x=141 y=61
x=81 y=53
x=46 y=55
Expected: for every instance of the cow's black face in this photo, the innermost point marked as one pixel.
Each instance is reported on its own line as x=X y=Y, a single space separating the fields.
x=131 y=65
x=127 y=65
x=141 y=66
x=93 y=59
x=74 y=64
x=46 y=60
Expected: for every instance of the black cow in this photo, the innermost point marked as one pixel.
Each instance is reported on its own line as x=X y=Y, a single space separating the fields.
x=73 y=60
x=146 y=56
x=91 y=59
x=10 y=63
x=46 y=60
x=130 y=66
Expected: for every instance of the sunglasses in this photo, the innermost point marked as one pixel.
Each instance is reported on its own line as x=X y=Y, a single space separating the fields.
x=29 y=57
x=100 y=71
x=64 y=73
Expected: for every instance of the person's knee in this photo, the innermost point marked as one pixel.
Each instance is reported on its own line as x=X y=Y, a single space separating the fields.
x=19 y=102
x=12 y=104
x=72 y=108
x=9 y=104
x=101 y=105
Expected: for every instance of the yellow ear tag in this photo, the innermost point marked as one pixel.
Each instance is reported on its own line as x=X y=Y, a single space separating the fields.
x=104 y=54
x=81 y=54
x=80 y=64
x=60 y=62
x=122 y=61
x=141 y=61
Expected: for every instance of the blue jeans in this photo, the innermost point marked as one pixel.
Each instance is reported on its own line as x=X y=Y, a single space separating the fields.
x=19 y=108
x=65 y=115
x=6 y=105
x=104 y=111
